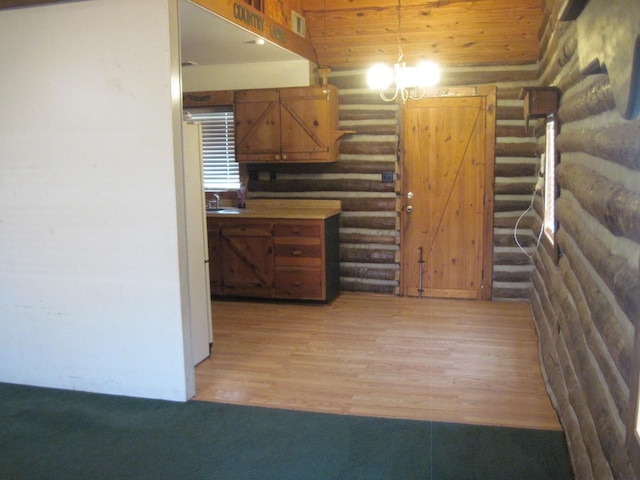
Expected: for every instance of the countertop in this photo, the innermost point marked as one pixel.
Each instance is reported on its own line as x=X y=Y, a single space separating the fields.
x=282 y=209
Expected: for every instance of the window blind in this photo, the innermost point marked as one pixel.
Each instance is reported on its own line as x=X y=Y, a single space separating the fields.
x=220 y=169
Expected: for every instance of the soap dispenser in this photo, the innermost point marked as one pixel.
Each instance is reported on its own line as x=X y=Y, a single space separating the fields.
x=242 y=192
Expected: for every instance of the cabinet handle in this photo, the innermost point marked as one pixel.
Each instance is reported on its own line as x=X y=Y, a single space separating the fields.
x=284 y=156
x=276 y=157
x=296 y=253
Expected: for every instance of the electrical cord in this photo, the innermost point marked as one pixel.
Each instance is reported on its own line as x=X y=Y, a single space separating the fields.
x=515 y=230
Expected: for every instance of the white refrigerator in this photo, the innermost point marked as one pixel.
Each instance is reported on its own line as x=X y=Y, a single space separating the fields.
x=197 y=246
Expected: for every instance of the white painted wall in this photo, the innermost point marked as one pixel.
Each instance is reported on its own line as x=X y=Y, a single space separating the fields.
x=90 y=216
x=294 y=73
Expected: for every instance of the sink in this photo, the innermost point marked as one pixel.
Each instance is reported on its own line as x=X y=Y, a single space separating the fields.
x=223 y=210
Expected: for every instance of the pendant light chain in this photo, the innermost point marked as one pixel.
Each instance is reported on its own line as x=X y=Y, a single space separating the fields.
x=399 y=33
x=410 y=82
x=324 y=28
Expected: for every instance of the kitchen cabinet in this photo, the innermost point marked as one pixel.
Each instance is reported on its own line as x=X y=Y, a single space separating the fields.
x=281 y=254
x=287 y=125
x=307 y=259
x=246 y=251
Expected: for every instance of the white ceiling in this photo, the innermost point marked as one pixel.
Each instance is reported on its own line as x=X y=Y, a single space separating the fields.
x=208 y=39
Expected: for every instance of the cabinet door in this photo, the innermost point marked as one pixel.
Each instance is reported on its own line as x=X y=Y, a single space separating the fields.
x=247 y=260
x=306 y=124
x=257 y=118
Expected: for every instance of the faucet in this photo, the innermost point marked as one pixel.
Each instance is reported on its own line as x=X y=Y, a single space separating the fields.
x=216 y=201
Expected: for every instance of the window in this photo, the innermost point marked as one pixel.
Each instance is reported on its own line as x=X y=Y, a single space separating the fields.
x=549 y=223
x=221 y=170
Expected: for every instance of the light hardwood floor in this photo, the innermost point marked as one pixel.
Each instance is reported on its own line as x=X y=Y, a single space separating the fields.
x=427 y=359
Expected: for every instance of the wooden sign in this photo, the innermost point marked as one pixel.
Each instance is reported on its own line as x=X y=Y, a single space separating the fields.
x=609 y=40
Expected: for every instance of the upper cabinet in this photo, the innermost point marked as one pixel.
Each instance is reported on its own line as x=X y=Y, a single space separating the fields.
x=290 y=125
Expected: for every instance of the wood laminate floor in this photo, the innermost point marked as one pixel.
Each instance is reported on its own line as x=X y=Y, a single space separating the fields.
x=427 y=359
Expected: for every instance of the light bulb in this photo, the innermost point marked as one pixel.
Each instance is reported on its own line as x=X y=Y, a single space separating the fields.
x=406 y=77
x=427 y=74
x=379 y=77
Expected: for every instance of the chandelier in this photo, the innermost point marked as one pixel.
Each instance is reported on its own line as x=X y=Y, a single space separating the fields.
x=410 y=82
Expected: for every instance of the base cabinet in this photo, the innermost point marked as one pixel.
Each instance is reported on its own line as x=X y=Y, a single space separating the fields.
x=283 y=259
x=246 y=251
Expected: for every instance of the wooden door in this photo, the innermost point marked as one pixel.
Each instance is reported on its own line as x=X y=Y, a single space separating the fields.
x=447 y=190
x=247 y=259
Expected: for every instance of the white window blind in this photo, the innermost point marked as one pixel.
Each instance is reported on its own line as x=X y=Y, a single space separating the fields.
x=220 y=169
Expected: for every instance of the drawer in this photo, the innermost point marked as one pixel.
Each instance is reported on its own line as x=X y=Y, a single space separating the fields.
x=299 y=283
x=299 y=255
x=246 y=230
x=297 y=230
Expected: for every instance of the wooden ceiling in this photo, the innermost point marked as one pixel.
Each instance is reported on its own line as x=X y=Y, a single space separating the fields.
x=357 y=33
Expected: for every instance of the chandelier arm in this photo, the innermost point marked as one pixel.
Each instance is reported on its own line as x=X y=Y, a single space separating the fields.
x=418 y=96
x=387 y=99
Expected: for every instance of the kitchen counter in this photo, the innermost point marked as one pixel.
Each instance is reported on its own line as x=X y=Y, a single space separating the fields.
x=282 y=209
x=276 y=249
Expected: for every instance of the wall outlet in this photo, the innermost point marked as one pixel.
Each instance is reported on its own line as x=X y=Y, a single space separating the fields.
x=387 y=177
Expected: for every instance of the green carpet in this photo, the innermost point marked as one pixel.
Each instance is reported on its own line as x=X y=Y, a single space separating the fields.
x=62 y=435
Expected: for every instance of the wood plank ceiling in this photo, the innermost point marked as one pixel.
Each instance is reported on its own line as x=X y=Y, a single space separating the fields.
x=357 y=33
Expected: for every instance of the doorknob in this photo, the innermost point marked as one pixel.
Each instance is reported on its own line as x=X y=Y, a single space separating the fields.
x=409 y=208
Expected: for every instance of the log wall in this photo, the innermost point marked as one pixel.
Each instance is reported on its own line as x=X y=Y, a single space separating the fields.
x=585 y=302
x=370 y=229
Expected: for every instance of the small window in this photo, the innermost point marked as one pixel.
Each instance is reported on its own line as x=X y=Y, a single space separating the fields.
x=549 y=222
x=221 y=171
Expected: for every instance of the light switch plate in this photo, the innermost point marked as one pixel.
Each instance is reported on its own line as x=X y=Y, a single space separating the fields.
x=387 y=177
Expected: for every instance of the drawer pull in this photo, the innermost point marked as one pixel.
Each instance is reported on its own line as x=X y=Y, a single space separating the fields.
x=296 y=253
x=296 y=229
